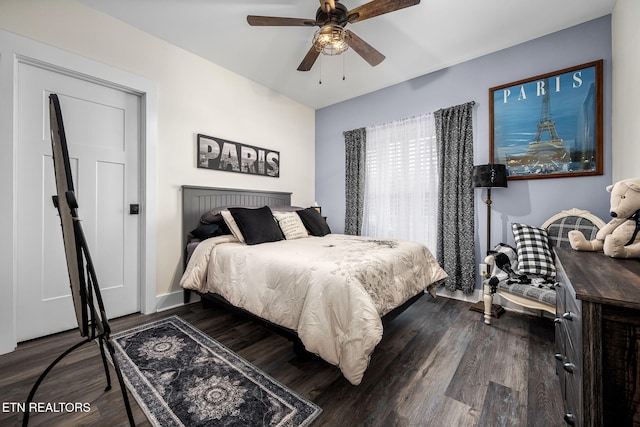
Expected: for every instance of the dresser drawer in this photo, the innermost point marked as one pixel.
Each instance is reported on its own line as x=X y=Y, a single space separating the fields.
x=572 y=376
x=560 y=357
x=568 y=325
x=572 y=363
x=563 y=288
x=572 y=414
x=569 y=347
x=561 y=297
x=571 y=319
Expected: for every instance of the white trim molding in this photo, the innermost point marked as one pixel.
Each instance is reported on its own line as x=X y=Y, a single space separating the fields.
x=174 y=299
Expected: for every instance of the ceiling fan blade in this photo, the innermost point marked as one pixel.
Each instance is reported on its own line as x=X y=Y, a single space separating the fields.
x=378 y=7
x=309 y=59
x=275 y=21
x=364 y=49
x=327 y=5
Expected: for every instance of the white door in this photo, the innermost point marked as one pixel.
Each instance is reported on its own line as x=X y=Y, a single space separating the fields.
x=103 y=134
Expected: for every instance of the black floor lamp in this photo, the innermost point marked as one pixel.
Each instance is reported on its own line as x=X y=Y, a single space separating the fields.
x=489 y=176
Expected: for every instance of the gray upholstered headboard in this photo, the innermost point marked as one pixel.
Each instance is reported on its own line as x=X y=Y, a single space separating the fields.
x=199 y=200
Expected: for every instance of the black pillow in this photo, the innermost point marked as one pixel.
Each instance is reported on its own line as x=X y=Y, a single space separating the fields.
x=257 y=225
x=205 y=231
x=314 y=222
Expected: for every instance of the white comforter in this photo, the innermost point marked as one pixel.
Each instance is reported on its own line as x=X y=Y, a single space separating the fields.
x=332 y=290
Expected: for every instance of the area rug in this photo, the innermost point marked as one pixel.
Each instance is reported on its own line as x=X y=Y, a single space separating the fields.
x=182 y=377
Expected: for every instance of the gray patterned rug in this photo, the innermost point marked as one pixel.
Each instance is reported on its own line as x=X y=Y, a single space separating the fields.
x=182 y=377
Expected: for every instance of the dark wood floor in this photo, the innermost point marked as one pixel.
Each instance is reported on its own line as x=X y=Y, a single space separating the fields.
x=437 y=365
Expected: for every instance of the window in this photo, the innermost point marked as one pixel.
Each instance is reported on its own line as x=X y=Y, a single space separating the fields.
x=401 y=185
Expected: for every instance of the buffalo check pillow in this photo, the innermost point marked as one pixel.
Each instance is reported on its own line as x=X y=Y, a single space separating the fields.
x=534 y=252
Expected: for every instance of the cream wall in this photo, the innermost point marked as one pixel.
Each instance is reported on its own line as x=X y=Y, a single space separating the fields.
x=195 y=96
x=626 y=89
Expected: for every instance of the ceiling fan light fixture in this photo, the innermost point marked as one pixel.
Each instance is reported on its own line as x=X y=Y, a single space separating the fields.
x=330 y=39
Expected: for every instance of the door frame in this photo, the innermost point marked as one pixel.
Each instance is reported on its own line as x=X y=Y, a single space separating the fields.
x=13 y=51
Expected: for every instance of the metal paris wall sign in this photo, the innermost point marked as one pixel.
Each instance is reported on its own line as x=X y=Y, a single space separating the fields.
x=220 y=154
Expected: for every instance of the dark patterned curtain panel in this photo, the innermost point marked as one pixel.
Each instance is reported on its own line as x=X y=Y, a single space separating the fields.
x=455 y=247
x=355 y=157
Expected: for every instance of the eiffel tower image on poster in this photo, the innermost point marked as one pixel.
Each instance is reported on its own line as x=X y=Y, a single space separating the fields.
x=544 y=155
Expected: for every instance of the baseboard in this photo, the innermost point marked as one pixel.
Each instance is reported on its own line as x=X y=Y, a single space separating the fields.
x=173 y=299
x=475 y=296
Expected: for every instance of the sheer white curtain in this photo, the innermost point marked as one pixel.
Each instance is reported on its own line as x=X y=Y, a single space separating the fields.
x=401 y=185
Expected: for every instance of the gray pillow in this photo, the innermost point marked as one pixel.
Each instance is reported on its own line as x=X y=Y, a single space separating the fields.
x=214 y=215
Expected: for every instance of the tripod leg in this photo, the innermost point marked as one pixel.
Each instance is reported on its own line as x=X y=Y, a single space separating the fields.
x=116 y=366
x=25 y=418
x=104 y=362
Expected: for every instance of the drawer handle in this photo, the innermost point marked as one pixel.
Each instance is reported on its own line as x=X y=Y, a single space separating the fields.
x=559 y=356
x=570 y=419
x=569 y=367
x=557 y=320
x=568 y=315
x=557 y=285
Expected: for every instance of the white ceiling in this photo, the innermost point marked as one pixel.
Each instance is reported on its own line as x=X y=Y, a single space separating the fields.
x=417 y=40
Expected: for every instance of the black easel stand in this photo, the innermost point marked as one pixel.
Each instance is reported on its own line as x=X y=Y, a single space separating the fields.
x=98 y=325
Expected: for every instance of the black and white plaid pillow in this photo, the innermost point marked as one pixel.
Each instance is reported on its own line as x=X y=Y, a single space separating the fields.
x=534 y=253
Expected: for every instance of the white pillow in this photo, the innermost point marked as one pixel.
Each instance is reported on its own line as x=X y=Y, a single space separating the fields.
x=291 y=225
x=231 y=223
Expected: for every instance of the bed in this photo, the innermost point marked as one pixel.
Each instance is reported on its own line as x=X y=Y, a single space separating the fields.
x=330 y=292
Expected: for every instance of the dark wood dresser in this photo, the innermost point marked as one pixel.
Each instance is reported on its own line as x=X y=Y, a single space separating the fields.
x=598 y=338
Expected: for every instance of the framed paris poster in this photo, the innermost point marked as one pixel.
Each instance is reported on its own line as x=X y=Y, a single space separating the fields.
x=549 y=126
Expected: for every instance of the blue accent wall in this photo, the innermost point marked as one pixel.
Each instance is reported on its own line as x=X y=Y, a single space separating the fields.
x=525 y=201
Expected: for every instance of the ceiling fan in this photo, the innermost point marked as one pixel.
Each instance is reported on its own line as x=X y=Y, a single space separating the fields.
x=331 y=38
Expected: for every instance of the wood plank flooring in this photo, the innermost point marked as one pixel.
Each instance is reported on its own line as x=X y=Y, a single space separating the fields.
x=438 y=365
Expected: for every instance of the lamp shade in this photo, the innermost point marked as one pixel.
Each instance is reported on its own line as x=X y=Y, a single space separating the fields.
x=489 y=176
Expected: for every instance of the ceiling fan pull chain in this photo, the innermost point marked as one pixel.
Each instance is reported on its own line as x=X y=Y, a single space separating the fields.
x=320 y=67
x=343 y=67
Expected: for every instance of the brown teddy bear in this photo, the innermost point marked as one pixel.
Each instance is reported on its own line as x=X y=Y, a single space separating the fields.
x=620 y=238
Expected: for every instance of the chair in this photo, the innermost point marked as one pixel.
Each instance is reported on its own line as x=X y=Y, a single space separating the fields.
x=533 y=297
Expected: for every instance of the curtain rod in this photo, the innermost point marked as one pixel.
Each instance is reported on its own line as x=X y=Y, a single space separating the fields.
x=472 y=103
x=412 y=117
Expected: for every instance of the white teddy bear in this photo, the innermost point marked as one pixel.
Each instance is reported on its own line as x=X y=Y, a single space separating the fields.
x=620 y=238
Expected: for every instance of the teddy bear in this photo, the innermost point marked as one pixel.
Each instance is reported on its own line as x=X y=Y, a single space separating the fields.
x=620 y=238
